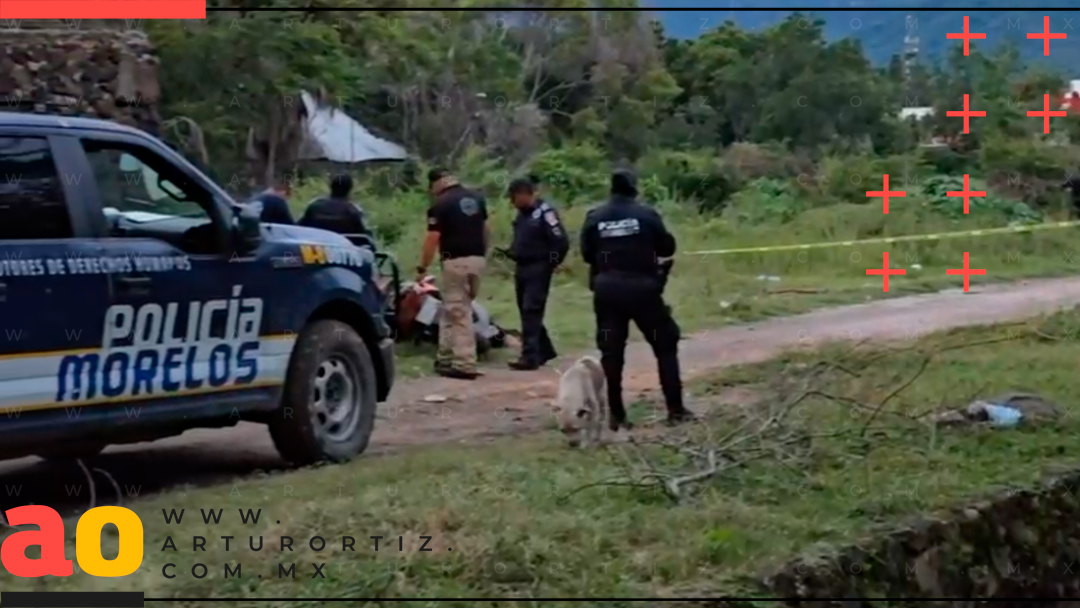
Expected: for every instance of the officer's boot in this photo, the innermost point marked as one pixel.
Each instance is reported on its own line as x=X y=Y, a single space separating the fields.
x=531 y=326
x=547 y=349
x=671 y=385
x=613 y=367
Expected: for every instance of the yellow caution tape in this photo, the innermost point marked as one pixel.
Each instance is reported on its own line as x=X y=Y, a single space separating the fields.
x=892 y=239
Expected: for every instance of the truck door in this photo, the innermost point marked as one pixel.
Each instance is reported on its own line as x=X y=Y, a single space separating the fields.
x=53 y=291
x=190 y=312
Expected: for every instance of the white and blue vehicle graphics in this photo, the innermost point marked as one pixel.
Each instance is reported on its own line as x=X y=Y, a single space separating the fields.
x=124 y=312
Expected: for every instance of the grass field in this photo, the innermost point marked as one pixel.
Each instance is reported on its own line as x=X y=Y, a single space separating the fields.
x=516 y=517
x=713 y=290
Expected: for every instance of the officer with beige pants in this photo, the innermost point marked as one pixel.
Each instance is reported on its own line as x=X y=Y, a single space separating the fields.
x=457 y=230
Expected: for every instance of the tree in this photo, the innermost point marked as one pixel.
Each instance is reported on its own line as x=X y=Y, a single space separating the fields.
x=263 y=61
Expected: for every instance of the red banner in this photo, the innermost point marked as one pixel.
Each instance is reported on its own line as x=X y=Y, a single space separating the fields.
x=102 y=9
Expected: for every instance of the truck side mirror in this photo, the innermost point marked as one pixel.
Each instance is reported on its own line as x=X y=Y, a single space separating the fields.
x=247 y=227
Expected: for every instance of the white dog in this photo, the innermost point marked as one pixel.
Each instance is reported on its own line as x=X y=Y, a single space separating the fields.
x=582 y=403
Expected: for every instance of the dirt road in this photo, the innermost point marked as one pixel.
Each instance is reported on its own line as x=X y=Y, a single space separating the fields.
x=506 y=402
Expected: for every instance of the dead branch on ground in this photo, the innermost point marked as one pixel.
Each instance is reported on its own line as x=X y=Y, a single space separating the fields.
x=677 y=465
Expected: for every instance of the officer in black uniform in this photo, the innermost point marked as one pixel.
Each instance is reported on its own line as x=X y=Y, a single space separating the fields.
x=1073 y=185
x=624 y=242
x=273 y=204
x=540 y=244
x=336 y=213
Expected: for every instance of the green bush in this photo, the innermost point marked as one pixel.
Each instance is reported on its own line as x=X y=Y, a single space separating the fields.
x=848 y=178
x=692 y=176
x=936 y=189
x=943 y=159
x=764 y=201
x=1029 y=169
x=845 y=178
x=576 y=173
x=748 y=162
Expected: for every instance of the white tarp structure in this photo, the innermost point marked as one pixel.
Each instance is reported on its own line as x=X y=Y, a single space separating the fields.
x=916 y=113
x=334 y=136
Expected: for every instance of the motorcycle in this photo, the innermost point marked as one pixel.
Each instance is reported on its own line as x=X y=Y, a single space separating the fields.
x=413 y=308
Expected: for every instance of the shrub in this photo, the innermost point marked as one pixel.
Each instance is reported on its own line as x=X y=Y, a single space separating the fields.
x=697 y=176
x=844 y=179
x=943 y=159
x=576 y=173
x=848 y=178
x=1028 y=169
x=749 y=162
x=936 y=189
x=764 y=201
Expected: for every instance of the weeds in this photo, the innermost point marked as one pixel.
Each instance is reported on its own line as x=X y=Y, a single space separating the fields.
x=822 y=448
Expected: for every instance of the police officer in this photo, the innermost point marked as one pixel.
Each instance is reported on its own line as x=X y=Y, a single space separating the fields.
x=458 y=231
x=1073 y=185
x=336 y=213
x=623 y=242
x=540 y=245
x=273 y=204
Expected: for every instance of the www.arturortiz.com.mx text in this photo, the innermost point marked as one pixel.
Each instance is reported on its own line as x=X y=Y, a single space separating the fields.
x=381 y=543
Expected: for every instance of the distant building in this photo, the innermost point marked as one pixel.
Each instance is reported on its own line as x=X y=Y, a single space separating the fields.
x=1070 y=100
x=916 y=113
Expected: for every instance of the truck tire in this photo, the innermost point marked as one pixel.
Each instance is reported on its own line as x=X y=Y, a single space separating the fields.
x=328 y=406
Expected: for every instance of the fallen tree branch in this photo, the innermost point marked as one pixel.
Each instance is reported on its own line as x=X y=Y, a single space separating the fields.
x=676 y=465
x=894 y=393
x=116 y=486
x=93 y=486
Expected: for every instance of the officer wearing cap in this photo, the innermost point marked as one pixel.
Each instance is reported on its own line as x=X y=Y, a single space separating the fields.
x=625 y=243
x=457 y=230
x=540 y=245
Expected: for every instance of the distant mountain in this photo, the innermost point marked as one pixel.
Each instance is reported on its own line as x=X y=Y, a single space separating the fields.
x=882 y=32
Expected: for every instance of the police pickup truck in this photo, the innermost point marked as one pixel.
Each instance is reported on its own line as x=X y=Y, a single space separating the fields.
x=137 y=301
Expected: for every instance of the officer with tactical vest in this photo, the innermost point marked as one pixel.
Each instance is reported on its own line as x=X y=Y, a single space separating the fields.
x=628 y=250
x=336 y=213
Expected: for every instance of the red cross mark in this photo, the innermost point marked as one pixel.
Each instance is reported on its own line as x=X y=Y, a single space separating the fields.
x=884 y=271
x=1046 y=112
x=967 y=272
x=1046 y=36
x=966 y=113
x=967 y=38
x=885 y=193
x=966 y=193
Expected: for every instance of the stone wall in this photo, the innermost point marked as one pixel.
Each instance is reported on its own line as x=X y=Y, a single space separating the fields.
x=1017 y=544
x=1022 y=543
x=103 y=74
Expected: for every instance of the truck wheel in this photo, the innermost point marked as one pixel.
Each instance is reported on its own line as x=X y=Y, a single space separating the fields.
x=328 y=406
